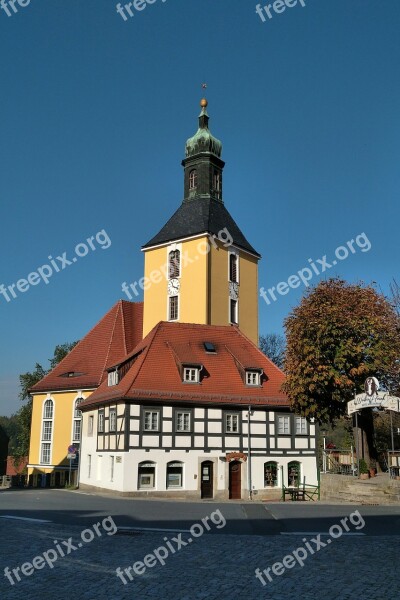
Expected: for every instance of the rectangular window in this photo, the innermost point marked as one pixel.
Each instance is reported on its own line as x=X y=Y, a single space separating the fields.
x=252 y=378
x=113 y=378
x=232 y=423
x=174 y=475
x=173 y=308
x=182 y=421
x=191 y=374
x=90 y=425
x=89 y=462
x=284 y=425
x=77 y=430
x=45 y=454
x=233 y=311
x=47 y=429
x=100 y=425
x=113 y=419
x=111 y=468
x=151 y=420
x=146 y=476
x=301 y=426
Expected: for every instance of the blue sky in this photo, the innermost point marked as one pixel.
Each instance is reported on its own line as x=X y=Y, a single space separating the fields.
x=94 y=115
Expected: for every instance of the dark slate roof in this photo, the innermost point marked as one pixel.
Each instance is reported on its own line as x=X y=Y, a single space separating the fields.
x=201 y=215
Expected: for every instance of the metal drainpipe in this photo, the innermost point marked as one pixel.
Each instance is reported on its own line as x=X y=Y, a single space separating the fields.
x=249 y=454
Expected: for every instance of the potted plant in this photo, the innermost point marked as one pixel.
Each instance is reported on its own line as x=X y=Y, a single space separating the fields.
x=372 y=468
x=363 y=469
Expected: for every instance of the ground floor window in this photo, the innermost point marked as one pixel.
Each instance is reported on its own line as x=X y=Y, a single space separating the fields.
x=174 y=475
x=147 y=475
x=270 y=474
x=294 y=473
x=45 y=454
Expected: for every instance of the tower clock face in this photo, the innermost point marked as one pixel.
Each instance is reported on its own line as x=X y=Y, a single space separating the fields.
x=173 y=286
x=233 y=290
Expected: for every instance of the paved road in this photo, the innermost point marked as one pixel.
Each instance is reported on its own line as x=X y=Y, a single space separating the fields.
x=76 y=508
x=76 y=553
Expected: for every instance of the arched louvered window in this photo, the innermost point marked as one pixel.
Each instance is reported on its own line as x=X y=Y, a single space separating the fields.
x=174 y=264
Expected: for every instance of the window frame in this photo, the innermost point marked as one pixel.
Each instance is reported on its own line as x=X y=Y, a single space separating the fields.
x=276 y=480
x=193 y=179
x=174 y=264
x=147 y=465
x=112 y=378
x=175 y=464
x=303 y=421
x=112 y=420
x=217 y=184
x=48 y=402
x=233 y=274
x=48 y=447
x=289 y=420
x=46 y=436
x=253 y=372
x=238 y=423
x=159 y=416
x=183 y=411
x=100 y=421
x=173 y=310
x=191 y=370
x=233 y=313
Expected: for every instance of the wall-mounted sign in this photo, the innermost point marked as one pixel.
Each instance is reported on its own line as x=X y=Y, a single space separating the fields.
x=236 y=456
x=373 y=398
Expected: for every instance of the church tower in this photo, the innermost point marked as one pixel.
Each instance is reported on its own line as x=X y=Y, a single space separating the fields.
x=200 y=268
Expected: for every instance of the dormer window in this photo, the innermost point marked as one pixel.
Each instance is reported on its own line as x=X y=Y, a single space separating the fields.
x=253 y=378
x=191 y=374
x=193 y=179
x=113 y=378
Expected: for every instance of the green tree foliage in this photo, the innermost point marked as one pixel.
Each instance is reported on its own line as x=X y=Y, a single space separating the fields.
x=340 y=334
x=273 y=346
x=21 y=422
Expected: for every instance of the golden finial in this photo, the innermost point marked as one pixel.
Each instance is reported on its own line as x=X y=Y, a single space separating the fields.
x=203 y=103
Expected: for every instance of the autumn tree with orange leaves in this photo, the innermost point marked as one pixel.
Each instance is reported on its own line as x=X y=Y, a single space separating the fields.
x=340 y=334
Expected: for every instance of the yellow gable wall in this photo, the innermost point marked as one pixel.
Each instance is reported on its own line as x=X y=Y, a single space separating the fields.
x=193 y=291
x=248 y=290
x=62 y=425
x=204 y=286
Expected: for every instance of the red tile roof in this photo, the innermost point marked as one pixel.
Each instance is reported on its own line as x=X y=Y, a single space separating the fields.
x=155 y=372
x=114 y=336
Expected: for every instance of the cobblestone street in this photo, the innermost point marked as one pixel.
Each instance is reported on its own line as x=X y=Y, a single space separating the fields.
x=213 y=567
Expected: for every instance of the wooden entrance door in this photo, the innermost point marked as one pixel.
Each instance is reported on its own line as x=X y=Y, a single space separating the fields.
x=235 y=480
x=207 y=479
